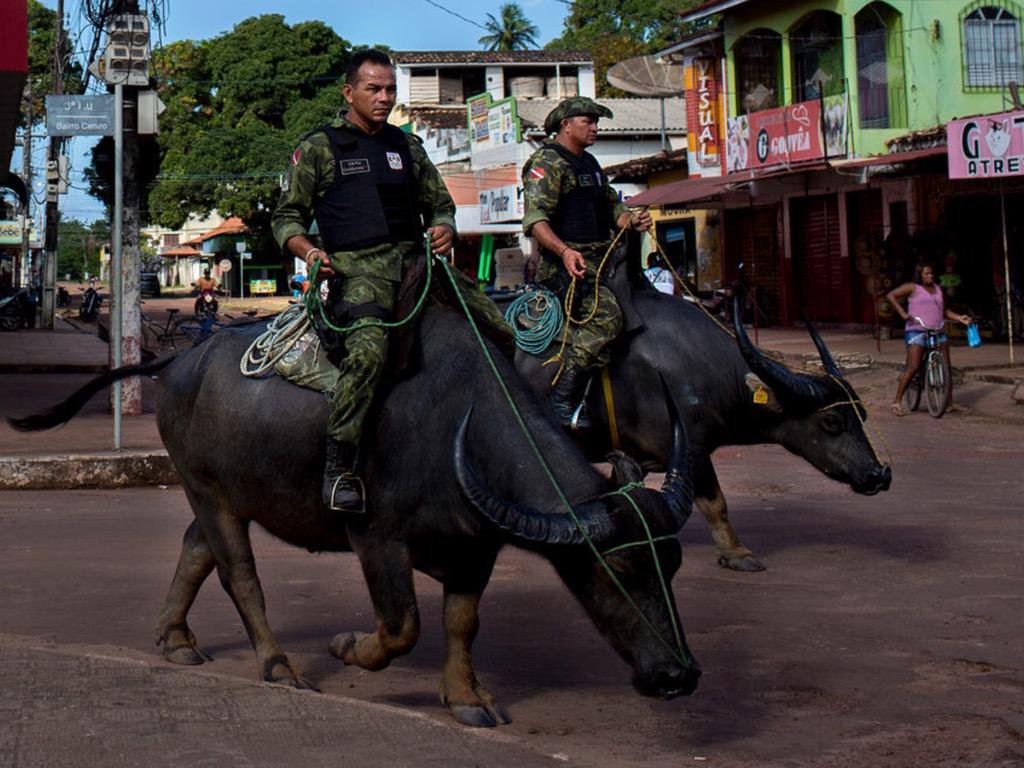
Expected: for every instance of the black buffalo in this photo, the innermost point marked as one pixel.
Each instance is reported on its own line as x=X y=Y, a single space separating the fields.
x=714 y=379
x=451 y=481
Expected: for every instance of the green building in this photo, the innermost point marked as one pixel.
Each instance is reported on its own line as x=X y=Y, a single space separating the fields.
x=904 y=65
x=817 y=157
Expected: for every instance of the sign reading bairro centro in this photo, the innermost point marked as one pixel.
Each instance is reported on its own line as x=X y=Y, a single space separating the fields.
x=80 y=115
x=986 y=147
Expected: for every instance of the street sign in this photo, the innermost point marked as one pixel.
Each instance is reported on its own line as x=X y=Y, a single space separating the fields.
x=80 y=115
x=240 y=246
x=246 y=255
x=225 y=265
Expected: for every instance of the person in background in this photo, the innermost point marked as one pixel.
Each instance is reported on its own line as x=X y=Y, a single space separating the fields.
x=926 y=308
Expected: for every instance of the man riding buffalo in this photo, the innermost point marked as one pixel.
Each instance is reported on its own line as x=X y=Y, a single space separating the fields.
x=372 y=190
x=572 y=212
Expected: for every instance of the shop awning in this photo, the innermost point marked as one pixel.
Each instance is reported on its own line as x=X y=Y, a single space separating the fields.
x=680 y=192
x=892 y=158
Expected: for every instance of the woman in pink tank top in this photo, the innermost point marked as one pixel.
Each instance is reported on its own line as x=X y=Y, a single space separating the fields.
x=926 y=308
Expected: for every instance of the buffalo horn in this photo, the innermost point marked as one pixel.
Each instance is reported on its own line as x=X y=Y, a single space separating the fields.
x=524 y=523
x=779 y=377
x=826 y=357
x=678 y=486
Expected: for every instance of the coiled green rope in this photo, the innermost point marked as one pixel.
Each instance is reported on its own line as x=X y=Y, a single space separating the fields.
x=536 y=317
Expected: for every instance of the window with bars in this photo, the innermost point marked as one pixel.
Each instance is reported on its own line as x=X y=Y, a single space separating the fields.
x=992 y=48
x=881 y=96
x=758 y=72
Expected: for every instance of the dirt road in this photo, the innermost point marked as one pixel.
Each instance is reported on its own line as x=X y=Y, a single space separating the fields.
x=886 y=632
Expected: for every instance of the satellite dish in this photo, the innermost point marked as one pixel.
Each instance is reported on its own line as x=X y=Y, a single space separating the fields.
x=647 y=76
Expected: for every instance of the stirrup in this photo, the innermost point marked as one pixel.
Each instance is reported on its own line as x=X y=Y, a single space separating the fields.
x=362 y=493
x=580 y=413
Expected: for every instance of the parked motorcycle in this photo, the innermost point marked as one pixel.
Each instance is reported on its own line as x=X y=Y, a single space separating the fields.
x=91 y=302
x=63 y=297
x=17 y=310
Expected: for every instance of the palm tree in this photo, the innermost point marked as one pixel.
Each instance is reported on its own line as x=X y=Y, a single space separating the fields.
x=513 y=32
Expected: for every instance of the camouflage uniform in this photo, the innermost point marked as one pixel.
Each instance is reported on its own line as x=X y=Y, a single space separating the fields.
x=367 y=276
x=546 y=178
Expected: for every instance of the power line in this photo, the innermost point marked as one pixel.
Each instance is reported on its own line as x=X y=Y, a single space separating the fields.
x=458 y=15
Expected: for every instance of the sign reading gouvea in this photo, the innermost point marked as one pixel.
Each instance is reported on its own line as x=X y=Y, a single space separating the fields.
x=786 y=135
x=80 y=115
x=986 y=147
x=500 y=204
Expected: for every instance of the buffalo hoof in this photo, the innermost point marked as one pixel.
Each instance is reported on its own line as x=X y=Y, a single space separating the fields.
x=185 y=654
x=341 y=645
x=746 y=563
x=280 y=671
x=480 y=717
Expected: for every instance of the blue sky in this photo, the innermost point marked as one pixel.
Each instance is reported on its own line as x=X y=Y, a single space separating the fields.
x=400 y=24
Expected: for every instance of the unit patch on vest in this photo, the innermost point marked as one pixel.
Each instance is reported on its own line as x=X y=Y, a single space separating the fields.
x=355 y=165
x=585 y=180
x=394 y=161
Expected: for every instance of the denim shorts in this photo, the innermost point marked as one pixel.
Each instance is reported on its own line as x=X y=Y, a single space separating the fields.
x=920 y=338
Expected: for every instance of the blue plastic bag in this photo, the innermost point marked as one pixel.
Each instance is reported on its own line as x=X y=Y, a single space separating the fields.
x=973 y=337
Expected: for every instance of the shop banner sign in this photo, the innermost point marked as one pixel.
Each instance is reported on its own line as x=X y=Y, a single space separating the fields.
x=775 y=137
x=500 y=204
x=11 y=231
x=492 y=123
x=986 y=147
x=702 y=113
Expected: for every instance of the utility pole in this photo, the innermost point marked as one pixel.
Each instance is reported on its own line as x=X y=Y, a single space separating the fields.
x=26 y=175
x=49 y=275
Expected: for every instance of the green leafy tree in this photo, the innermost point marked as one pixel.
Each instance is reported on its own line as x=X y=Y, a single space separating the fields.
x=42 y=38
x=78 y=250
x=236 y=107
x=615 y=30
x=511 y=32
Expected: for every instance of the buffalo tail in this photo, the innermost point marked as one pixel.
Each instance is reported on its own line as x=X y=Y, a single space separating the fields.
x=65 y=410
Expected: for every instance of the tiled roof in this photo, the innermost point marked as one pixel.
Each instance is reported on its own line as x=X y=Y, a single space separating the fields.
x=181 y=250
x=231 y=226
x=638 y=168
x=490 y=57
x=709 y=7
x=641 y=115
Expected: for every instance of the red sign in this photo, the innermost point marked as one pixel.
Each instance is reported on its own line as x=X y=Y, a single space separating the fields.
x=775 y=137
x=702 y=113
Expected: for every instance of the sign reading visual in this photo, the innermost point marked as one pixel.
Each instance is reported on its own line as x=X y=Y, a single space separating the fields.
x=702 y=112
x=786 y=135
x=986 y=147
x=80 y=115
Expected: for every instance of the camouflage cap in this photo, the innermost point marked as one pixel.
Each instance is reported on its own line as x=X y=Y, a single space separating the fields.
x=572 y=107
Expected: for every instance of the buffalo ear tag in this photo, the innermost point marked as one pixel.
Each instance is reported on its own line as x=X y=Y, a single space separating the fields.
x=761 y=396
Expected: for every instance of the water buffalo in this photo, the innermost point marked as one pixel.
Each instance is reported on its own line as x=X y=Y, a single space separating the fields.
x=447 y=491
x=714 y=379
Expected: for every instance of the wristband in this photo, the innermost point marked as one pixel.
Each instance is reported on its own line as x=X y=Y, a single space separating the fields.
x=306 y=257
x=561 y=253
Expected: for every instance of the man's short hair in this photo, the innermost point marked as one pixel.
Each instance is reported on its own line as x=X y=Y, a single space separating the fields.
x=365 y=56
x=206 y=272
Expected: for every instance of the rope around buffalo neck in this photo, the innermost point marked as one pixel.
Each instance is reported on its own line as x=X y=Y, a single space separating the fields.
x=679 y=651
x=281 y=335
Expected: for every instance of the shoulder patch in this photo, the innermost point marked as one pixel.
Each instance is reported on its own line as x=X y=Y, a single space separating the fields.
x=538 y=172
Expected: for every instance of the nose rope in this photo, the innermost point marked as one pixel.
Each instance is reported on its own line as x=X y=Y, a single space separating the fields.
x=679 y=652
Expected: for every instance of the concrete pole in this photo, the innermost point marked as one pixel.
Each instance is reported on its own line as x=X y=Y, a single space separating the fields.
x=115 y=259
x=26 y=175
x=131 y=256
x=52 y=217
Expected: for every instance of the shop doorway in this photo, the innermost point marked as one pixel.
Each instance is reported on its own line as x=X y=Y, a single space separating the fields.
x=678 y=240
x=864 y=227
x=752 y=239
x=821 y=273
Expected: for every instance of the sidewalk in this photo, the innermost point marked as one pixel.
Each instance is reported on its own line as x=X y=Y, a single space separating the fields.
x=40 y=368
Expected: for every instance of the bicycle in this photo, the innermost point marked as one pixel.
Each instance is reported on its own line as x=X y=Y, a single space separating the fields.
x=199 y=329
x=934 y=379
x=163 y=335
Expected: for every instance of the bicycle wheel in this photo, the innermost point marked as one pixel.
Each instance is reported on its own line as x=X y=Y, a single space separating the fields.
x=191 y=329
x=912 y=394
x=938 y=383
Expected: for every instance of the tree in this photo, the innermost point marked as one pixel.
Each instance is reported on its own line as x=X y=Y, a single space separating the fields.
x=512 y=32
x=79 y=247
x=236 y=107
x=614 y=30
x=42 y=38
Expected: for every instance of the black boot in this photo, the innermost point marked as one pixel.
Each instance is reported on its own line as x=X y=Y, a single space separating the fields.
x=566 y=399
x=342 y=490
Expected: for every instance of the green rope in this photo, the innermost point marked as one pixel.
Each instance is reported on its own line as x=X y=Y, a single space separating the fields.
x=541 y=311
x=679 y=651
x=314 y=304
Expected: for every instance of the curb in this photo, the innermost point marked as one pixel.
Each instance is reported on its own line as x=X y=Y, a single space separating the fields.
x=53 y=368
x=123 y=469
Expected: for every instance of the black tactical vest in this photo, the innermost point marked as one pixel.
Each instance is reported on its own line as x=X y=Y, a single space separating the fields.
x=373 y=198
x=584 y=214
